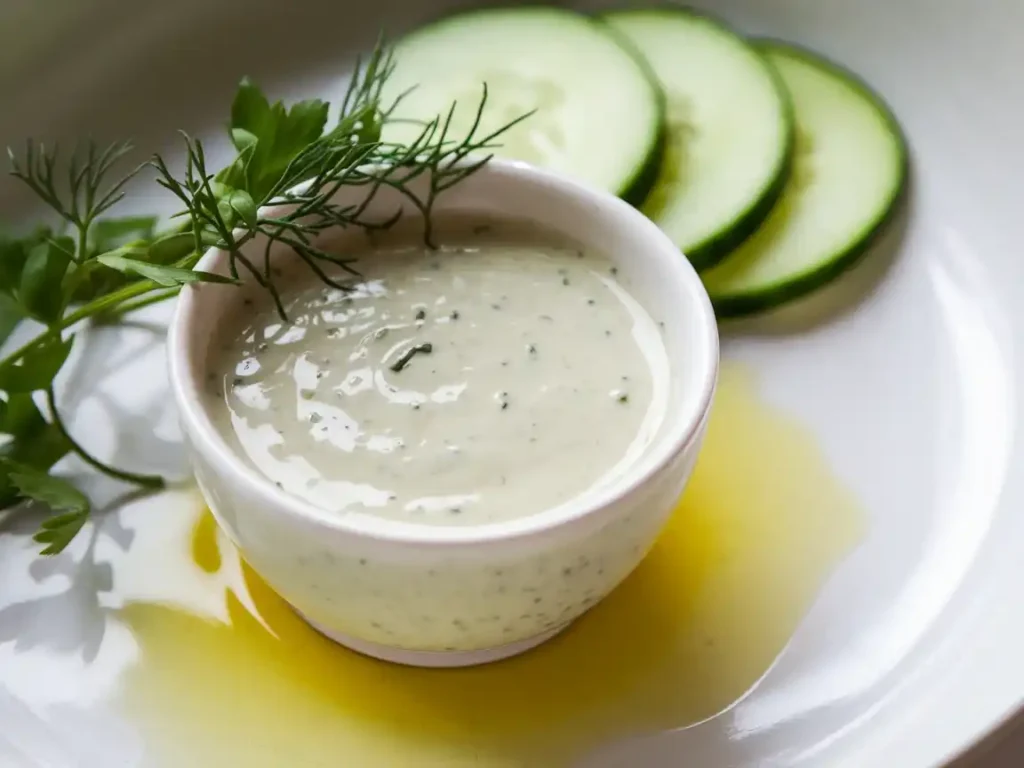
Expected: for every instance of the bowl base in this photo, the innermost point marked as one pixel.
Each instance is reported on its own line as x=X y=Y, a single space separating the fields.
x=435 y=659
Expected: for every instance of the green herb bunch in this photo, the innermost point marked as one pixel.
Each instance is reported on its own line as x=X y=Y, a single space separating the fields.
x=95 y=266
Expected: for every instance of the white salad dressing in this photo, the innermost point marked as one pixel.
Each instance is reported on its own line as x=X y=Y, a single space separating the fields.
x=503 y=374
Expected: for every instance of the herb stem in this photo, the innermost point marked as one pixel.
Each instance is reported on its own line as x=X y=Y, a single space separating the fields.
x=83 y=242
x=106 y=302
x=144 y=301
x=92 y=308
x=153 y=482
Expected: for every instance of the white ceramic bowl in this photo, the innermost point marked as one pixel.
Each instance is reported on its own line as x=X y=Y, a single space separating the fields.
x=450 y=596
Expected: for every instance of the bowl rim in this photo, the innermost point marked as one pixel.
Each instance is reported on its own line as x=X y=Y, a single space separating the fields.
x=207 y=441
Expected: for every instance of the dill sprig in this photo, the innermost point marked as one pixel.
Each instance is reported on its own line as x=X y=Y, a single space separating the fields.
x=231 y=208
x=282 y=186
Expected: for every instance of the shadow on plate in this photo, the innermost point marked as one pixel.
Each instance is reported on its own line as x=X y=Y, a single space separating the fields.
x=74 y=620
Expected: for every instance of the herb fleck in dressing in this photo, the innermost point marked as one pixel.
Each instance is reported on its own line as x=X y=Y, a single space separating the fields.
x=411 y=397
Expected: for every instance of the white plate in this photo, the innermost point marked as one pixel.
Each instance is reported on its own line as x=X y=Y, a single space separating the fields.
x=910 y=651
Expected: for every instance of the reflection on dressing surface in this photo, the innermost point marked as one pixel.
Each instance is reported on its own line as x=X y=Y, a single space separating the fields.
x=762 y=525
x=446 y=384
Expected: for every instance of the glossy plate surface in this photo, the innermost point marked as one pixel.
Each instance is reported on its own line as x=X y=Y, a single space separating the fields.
x=902 y=647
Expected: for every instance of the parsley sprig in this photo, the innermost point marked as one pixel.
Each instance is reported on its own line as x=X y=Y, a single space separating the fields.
x=92 y=266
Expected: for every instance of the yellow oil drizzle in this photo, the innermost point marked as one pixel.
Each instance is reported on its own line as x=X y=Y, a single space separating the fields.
x=761 y=526
x=205 y=548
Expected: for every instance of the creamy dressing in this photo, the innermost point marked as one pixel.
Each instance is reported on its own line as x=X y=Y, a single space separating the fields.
x=504 y=373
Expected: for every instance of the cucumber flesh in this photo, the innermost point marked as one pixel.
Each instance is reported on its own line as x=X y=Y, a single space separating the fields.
x=730 y=130
x=850 y=172
x=599 y=113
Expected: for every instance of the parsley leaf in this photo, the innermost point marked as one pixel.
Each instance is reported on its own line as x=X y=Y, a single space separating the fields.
x=37 y=367
x=243 y=206
x=59 y=495
x=10 y=315
x=170 y=248
x=268 y=137
x=40 y=289
x=13 y=253
x=111 y=234
x=35 y=440
x=159 y=274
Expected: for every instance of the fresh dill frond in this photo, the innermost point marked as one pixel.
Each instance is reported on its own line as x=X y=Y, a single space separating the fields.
x=301 y=202
x=86 y=192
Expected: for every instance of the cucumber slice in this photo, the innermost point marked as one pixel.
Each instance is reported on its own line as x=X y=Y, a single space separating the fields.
x=599 y=112
x=850 y=172
x=730 y=130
